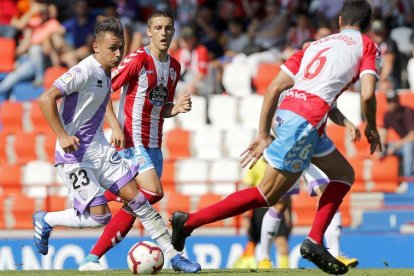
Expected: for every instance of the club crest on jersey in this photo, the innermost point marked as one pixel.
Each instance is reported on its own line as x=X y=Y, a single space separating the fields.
x=159 y=95
x=115 y=158
x=173 y=75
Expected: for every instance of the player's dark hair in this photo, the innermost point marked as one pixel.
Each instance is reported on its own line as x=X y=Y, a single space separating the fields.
x=109 y=25
x=356 y=13
x=159 y=14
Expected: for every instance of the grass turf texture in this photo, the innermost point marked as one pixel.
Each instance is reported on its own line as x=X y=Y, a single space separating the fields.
x=220 y=272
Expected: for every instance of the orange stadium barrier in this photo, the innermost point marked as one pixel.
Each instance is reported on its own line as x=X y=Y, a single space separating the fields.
x=51 y=74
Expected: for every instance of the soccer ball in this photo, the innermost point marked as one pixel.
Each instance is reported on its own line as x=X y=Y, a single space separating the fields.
x=145 y=257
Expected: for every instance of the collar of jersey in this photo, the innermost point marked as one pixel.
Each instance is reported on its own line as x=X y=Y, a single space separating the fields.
x=94 y=61
x=148 y=52
x=349 y=31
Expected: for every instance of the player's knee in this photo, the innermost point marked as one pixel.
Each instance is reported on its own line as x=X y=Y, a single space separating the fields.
x=153 y=197
x=102 y=219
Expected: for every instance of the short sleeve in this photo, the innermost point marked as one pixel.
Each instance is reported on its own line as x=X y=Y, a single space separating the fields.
x=292 y=65
x=371 y=58
x=129 y=68
x=71 y=81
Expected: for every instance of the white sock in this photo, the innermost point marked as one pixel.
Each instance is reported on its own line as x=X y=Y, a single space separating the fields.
x=70 y=218
x=332 y=235
x=270 y=226
x=155 y=226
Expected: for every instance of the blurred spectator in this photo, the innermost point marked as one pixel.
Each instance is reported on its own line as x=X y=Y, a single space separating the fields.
x=73 y=42
x=390 y=74
x=235 y=38
x=270 y=31
x=207 y=28
x=194 y=64
x=401 y=119
x=301 y=32
x=322 y=32
x=39 y=24
x=185 y=11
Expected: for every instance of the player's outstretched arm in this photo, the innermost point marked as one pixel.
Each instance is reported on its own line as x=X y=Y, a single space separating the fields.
x=47 y=103
x=369 y=108
x=255 y=150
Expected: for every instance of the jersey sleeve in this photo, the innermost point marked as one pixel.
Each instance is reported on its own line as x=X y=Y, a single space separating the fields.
x=71 y=81
x=292 y=64
x=371 y=58
x=128 y=69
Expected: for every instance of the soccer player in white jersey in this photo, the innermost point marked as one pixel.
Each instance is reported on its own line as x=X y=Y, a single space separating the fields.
x=85 y=160
x=148 y=78
x=318 y=75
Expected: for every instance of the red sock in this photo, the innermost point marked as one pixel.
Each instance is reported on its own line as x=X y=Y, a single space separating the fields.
x=235 y=204
x=109 y=196
x=328 y=205
x=114 y=232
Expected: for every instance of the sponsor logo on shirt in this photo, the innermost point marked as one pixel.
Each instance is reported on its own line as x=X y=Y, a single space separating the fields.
x=297 y=94
x=159 y=95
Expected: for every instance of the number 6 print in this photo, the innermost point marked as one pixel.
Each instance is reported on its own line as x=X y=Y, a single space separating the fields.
x=315 y=65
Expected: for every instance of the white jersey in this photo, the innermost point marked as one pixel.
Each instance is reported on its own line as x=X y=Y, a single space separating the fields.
x=324 y=69
x=86 y=90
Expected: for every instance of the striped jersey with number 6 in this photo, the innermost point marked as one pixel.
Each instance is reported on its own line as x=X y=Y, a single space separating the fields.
x=324 y=69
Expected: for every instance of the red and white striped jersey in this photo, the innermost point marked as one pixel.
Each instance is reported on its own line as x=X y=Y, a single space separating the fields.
x=325 y=69
x=147 y=85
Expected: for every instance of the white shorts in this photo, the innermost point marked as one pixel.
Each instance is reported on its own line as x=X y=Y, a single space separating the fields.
x=86 y=179
x=314 y=178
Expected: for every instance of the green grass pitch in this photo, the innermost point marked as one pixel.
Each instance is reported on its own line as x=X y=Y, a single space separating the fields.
x=220 y=272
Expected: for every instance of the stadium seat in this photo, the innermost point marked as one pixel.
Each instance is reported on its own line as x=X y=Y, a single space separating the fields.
x=223 y=176
x=11 y=116
x=22 y=213
x=56 y=203
x=10 y=180
x=208 y=199
x=374 y=175
x=177 y=144
x=249 y=110
x=337 y=135
x=25 y=147
x=407 y=99
x=3 y=148
x=349 y=103
x=381 y=107
x=168 y=176
x=206 y=143
x=51 y=74
x=236 y=140
x=3 y=200
x=303 y=208
x=191 y=176
x=49 y=144
x=266 y=72
x=197 y=118
x=7 y=54
x=38 y=176
x=38 y=120
x=176 y=202
x=222 y=111
x=25 y=91
x=236 y=77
